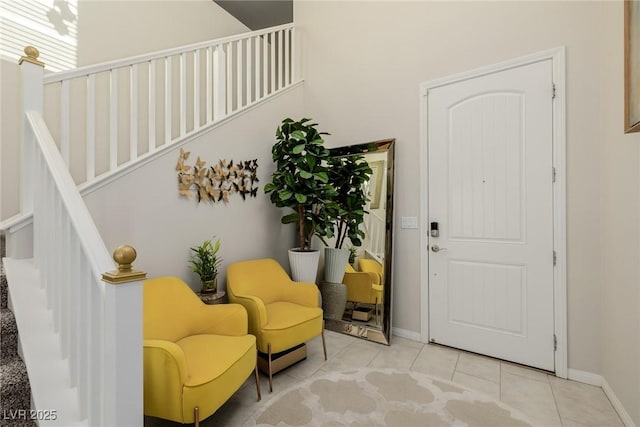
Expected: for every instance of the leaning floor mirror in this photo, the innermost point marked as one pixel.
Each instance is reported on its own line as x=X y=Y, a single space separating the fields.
x=367 y=311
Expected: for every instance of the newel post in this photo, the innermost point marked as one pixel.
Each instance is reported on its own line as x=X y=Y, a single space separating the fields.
x=123 y=370
x=32 y=71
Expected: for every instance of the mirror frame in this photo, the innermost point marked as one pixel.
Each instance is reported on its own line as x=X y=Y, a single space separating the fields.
x=366 y=332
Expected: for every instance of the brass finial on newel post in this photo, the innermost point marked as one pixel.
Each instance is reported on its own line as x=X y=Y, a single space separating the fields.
x=31 y=55
x=124 y=257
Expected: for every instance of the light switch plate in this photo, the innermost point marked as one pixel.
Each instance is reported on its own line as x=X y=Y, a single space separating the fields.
x=409 y=222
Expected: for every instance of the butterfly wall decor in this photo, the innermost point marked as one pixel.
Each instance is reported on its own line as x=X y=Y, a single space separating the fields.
x=216 y=183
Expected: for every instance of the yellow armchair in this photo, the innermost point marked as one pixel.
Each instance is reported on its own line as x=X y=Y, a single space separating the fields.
x=371 y=266
x=196 y=356
x=282 y=313
x=362 y=287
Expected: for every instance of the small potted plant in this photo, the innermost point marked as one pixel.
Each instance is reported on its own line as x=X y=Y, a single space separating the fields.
x=300 y=182
x=353 y=254
x=205 y=262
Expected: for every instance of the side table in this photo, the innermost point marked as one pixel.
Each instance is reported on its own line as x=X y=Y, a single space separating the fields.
x=213 y=297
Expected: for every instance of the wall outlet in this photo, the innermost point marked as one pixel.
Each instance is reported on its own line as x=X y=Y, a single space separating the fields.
x=409 y=222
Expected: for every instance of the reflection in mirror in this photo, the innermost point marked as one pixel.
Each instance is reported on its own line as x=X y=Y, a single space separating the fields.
x=367 y=313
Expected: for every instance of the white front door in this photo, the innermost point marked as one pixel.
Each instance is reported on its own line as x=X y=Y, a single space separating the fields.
x=490 y=191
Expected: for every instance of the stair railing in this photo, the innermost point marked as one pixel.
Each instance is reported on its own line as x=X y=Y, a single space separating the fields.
x=374 y=243
x=99 y=324
x=110 y=116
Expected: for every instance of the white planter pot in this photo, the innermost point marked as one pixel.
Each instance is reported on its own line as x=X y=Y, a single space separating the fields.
x=304 y=265
x=335 y=263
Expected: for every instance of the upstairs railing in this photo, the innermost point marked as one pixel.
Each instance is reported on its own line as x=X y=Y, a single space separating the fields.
x=374 y=244
x=108 y=116
x=99 y=324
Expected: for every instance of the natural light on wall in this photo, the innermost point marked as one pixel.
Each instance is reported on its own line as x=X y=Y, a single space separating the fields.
x=49 y=25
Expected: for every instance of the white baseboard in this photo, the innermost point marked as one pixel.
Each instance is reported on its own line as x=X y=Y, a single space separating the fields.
x=585 y=377
x=617 y=405
x=404 y=333
x=600 y=381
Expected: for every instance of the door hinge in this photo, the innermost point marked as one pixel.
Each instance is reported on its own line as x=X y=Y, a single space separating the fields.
x=555 y=258
x=555 y=342
x=553 y=91
x=553 y=174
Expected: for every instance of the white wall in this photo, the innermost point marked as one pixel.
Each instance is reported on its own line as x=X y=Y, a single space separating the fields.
x=620 y=210
x=363 y=64
x=110 y=29
x=107 y=30
x=144 y=209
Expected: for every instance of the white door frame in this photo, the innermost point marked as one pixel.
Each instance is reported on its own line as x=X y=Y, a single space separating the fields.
x=557 y=57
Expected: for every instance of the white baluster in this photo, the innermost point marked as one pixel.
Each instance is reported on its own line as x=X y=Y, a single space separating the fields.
x=168 y=87
x=65 y=285
x=113 y=120
x=281 y=53
x=152 y=106
x=229 y=77
x=239 y=82
x=294 y=65
x=209 y=85
x=47 y=272
x=183 y=94
x=272 y=61
x=75 y=320
x=196 y=90
x=287 y=57
x=249 y=67
x=85 y=330
x=265 y=65
x=91 y=127
x=37 y=210
x=257 y=68
x=133 y=122
x=64 y=121
x=95 y=361
x=55 y=236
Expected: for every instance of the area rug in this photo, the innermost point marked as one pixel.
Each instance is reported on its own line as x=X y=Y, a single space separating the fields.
x=384 y=397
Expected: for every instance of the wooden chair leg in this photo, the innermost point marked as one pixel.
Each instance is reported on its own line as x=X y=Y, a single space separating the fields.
x=258 y=383
x=324 y=345
x=269 y=366
x=196 y=416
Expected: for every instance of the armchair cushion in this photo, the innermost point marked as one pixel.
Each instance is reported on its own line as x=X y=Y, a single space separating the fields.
x=289 y=325
x=220 y=365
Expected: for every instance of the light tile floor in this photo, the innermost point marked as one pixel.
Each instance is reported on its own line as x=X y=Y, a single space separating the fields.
x=547 y=400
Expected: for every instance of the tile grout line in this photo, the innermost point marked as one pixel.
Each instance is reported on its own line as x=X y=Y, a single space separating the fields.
x=416 y=358
x=455 y=367
x=555 y=401
x=500 y=382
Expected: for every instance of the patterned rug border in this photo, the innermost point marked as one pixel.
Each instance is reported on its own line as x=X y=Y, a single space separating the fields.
x=359 y=375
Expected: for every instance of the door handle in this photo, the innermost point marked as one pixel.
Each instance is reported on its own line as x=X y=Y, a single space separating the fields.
x=436 y=248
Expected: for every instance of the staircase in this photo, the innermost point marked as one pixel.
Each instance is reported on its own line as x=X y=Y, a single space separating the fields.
x=15 y=392
x=81 y=336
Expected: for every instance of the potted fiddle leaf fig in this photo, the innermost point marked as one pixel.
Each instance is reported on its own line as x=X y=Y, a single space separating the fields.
x=300 y=182
x=348 y=176
x=205 y=262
